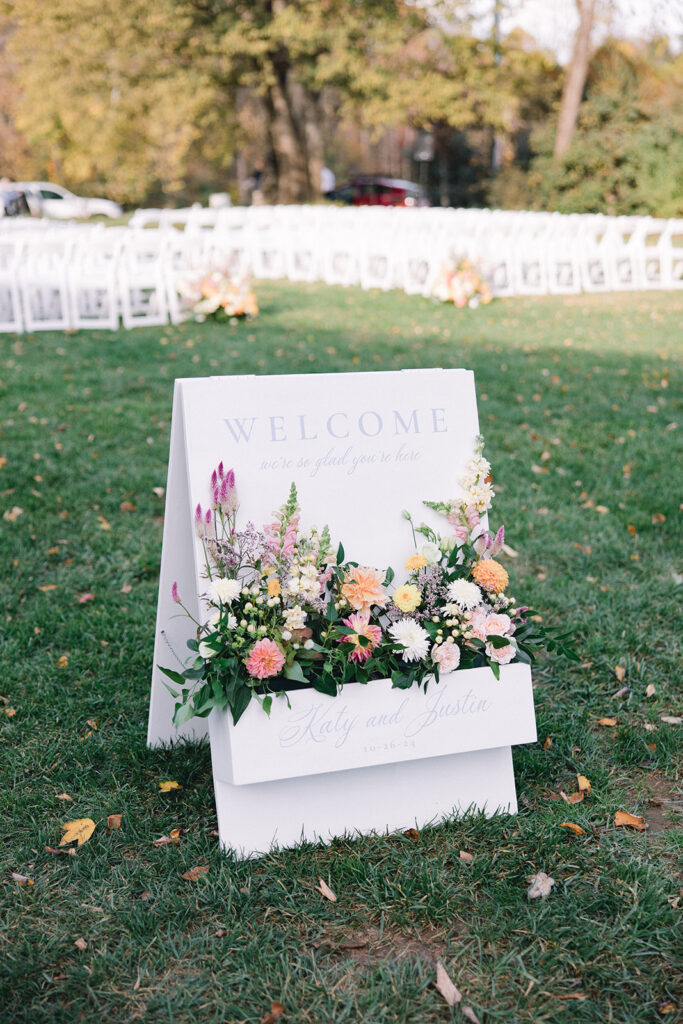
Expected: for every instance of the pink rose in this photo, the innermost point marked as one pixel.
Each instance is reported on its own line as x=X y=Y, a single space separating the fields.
x=503 y=655
x=446 y=656
x=498 y=625
x=477 y=620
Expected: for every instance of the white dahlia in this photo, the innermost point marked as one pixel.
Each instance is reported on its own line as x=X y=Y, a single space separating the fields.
x=224 y=590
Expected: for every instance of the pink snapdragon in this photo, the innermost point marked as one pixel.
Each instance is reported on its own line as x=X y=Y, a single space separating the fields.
x=282 y=547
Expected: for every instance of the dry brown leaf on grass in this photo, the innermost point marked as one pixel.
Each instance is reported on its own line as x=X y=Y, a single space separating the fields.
x=573 y=827
x=77 y=831
x=166 y=787
x=671 y=719
x=126 y=588
x=84 y=598
x=173 y=837
x=274 y=1013
x=548 y=743
x=48 y=587
x=11 y=515
x=113 y=821
x=539 y=885
x=620 y=672
x=445 y=987
x=62 y=661
x=469 y=1014
x=127 y=506
x=412 y=834
x=466 y=857
x=68 y=853
x=658 y=517
x=631 y=529
x=21 y=879
x=325 y=891
x=159 y=491
x=607 y=721
x=650 y=690
x=81 y=944
x=64 y=796
x=194 y=873
x=573 y=798
x=584 y=784
x=624 y=819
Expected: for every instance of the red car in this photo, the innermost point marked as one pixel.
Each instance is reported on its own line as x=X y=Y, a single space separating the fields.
x=373 y=190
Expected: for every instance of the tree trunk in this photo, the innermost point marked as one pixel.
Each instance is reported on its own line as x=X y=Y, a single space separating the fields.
x=575 y=78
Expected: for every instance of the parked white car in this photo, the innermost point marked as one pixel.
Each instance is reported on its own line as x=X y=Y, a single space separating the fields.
x=54 y=201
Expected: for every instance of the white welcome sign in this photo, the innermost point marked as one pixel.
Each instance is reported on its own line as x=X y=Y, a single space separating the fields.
x=361 y=447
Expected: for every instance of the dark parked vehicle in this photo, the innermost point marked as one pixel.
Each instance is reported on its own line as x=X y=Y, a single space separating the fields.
x=374 y=190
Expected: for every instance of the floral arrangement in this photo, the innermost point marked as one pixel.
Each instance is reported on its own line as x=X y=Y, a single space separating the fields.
x=285 y=609
x=461 y=284
x=219 y=296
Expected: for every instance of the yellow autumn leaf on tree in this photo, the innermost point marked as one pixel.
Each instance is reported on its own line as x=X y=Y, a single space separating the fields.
x=166 y=787
x=77 y=831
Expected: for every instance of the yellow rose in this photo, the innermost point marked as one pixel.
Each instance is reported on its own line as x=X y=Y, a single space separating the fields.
x=416 y=562
x=407 y=597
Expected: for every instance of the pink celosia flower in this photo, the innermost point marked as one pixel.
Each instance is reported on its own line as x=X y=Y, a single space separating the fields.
x=503 y=655
x=174 y=593
x=361 y=626
x=265 y=659
x=446 y=656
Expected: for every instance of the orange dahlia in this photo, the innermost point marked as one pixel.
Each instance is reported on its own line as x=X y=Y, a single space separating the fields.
x=363 y=588
x=491 y=575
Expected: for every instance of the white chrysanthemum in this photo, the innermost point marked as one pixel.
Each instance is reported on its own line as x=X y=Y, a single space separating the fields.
x=224 y=590
x=295 y=618
x=431 y=552
x=412 y=637
x=464 y=593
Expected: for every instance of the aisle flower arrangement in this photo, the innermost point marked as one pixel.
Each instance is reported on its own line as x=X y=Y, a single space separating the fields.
x=462 y=284
x=284 y=608
x=217 y=295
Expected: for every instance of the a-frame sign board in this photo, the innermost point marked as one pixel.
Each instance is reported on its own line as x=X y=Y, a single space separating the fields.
x=361 y=447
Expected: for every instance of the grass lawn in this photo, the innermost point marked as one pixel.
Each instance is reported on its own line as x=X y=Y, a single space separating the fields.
x=577 y=399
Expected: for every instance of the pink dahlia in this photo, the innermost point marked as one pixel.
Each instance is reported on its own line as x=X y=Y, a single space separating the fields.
x=265 y=659
x=361 y=626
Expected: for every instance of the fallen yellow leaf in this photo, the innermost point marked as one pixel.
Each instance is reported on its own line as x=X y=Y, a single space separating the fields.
x=607 y=721
x=573 y=827
x=620 y=672
x=548 y=743
x=650 y=690
x=584 y=784
x=325 y=891
x=624 y=819
x=173 y=837
x=48 y=587
x=445 y=987
x=21 y=879
x=631 y=529
x=77 y=831
x=104 y=525
x=194 y=873
x=11 y=515
x=166 y=787
x=63 y=661
x=274 y=1013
